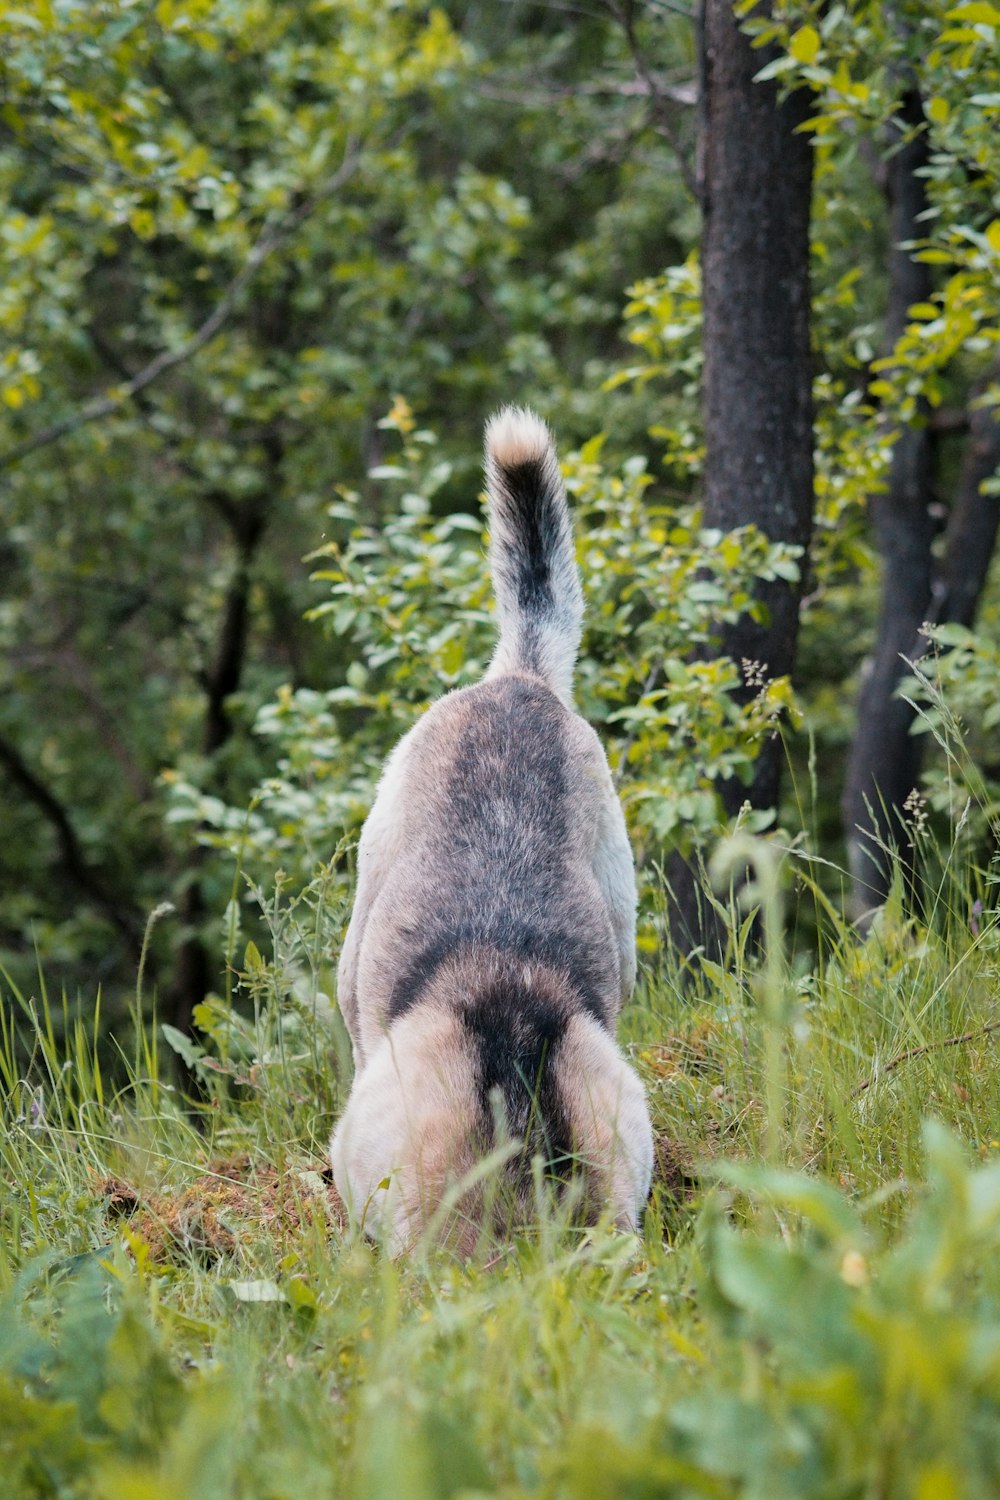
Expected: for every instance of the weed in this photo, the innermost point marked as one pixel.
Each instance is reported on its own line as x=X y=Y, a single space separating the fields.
x=813 y=1308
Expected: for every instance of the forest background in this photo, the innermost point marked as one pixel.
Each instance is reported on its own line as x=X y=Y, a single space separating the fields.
x=266 y=269
x=265 y=272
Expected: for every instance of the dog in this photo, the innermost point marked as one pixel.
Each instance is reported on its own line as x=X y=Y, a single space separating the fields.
x=492 y=940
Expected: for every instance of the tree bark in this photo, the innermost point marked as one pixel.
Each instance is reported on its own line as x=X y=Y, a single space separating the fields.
x=195 y=969
x=758 y=368
x=74 y=866
x=884 y=762
x=972 y=529
x=756 y=185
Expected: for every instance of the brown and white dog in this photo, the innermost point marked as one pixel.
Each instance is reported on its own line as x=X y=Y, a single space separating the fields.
x=492 y=941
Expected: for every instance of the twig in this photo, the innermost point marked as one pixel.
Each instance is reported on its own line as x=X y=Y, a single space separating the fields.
x=270 y=237
x=74 y=864
x=902 y=1057
x=625 y=15
x=684 y=92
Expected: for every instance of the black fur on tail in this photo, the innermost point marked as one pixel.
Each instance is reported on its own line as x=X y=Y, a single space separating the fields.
x=532 y=556
x=537 y=518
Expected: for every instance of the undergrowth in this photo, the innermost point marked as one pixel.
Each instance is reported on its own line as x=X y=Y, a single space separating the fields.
x=813 y=1308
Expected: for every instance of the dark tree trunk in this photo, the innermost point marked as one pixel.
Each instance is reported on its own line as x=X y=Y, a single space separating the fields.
x=74 y=867
x=972 y=528
x=195 y=968
x=756 y=189
x=758 y=369
x=884 y=763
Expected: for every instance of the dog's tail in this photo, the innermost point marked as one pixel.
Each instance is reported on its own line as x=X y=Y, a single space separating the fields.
x=535 y=576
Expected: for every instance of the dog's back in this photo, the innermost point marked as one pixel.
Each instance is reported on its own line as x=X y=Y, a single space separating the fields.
x=492 y=940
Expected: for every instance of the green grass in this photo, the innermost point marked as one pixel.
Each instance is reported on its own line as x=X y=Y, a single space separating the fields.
x=813 y=1308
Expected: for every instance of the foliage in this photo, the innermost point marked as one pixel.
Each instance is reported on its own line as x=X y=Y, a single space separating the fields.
x=237 y=237
x=877 y=75
x=827 y=1324
x=956 y=686
x=292 y=217
x=859 y=59
x=412 y=599
x=233 y=233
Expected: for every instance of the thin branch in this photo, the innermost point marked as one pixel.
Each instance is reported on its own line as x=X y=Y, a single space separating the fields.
x=684 y=92
x=270 y=238
x=217 y=499
x=222 y=679
x=911 y=1052
x=74 y=669
x=73 y=862
x=948 y=419
x=625 y=15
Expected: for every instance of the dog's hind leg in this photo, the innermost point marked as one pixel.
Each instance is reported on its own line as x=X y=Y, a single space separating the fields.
x=378 y=847
x=605 y=1104
x=407 y=1131
x=614 y=870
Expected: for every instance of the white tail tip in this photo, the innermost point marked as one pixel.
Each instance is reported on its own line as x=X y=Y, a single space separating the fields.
x=517 y=436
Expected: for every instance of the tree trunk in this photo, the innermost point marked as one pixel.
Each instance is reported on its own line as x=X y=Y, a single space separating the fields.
x=972 y=529
x=195 y=968
x=756 y=188
x=884 y=762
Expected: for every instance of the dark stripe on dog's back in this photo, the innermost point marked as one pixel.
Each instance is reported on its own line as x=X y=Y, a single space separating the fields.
x=510 y=759
x=499 y=849
x=563 y=952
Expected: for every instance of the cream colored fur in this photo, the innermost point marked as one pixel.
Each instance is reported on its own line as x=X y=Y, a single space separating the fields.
x=406 y=1131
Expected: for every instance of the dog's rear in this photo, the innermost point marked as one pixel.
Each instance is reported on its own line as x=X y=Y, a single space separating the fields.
x=492 y=939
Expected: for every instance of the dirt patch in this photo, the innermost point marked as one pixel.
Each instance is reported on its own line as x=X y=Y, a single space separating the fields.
x=233 y=1201
x=229 y=1204
x=673 y=1170
x=120 y=1200
x=694 y=1052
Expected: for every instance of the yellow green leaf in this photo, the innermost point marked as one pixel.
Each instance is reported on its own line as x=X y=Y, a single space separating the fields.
x=977 y=13
x=938 y=1482
x=804 y=45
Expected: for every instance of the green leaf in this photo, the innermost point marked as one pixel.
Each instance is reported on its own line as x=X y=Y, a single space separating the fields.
x=977 y=12
x=815 y=1200
x=185 y=1048
x=805 y=44
x=256 y=1291
x=252 y=961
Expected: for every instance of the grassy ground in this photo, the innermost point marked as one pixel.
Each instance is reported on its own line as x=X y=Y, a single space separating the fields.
x=813 y=1308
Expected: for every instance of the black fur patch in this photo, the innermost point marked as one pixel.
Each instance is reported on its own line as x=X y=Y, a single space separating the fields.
x=537 y=519
x=516 y=1035
x=565 y=953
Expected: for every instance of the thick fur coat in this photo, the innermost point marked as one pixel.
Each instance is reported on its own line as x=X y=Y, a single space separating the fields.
x=492 y=941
